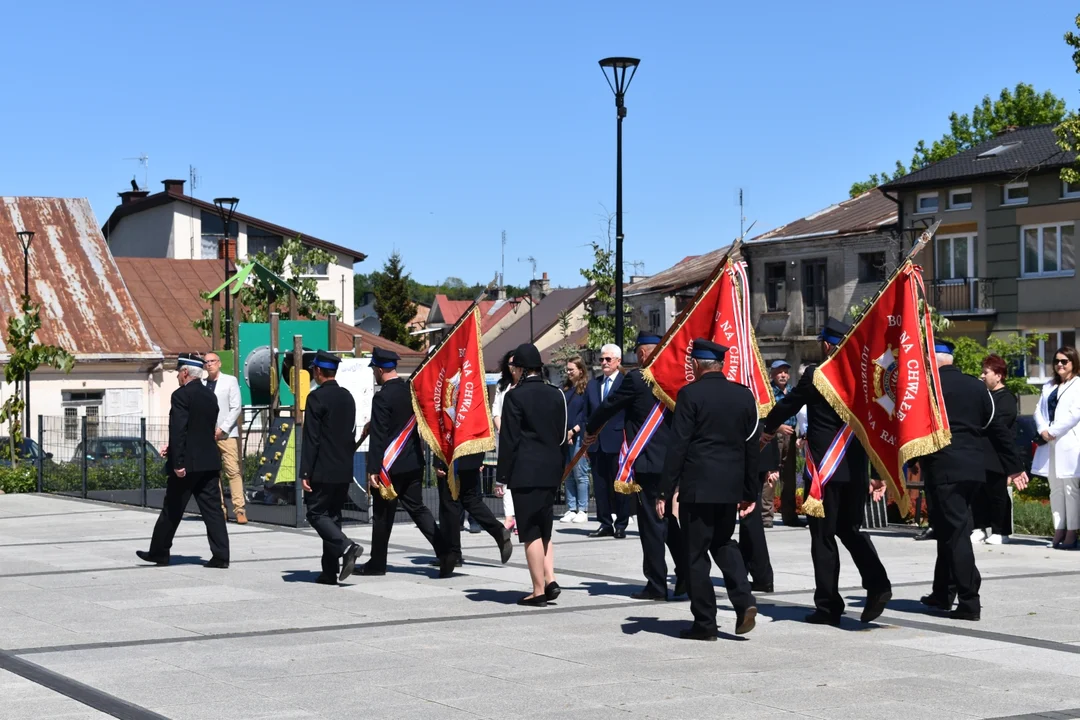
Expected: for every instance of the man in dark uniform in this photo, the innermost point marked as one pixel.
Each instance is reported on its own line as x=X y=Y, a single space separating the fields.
x=786 y=439
x=326 y=464
x=844 y=497
x=952 y=475
x=712 y=460
x=193 y=464
x=604 y=453
x=752 y=544
x=635 y=401
x=391 y=411
x=467 y=471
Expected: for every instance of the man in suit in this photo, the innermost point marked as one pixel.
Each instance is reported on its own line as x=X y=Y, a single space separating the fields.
x=952 y=475
x=712 y=461
x=635 y=402
x=604 y=453
x=227 y=391
x=467 y=471
x=532 y=438
x=193 y=464
x=326 y=464
x=391 y=413
x=844 y=497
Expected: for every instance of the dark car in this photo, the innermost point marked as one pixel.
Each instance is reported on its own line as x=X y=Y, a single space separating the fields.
x=111 y=449
x=27 y=450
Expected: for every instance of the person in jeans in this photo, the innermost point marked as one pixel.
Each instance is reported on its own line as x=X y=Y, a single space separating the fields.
x=780 y=374
x=227 y=390
x=577 y=482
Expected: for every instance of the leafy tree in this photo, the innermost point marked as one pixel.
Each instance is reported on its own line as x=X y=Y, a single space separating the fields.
x=564 y=349
x=393 y=305
x=1022 y=107
x=290 y=261
x=26 y=356
x=602 y=275
x=453 y=288
x=1013 y=349
x=1068 y=131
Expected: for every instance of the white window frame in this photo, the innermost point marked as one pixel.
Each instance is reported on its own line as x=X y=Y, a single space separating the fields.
x=960 y=206
x=918 y=203
x=1024 y=273
x=1005 y=194
x=1066 y=194
x=1042 y=348
x=972 y=259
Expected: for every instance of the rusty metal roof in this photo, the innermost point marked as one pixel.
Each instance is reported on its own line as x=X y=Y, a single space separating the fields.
x=867 y=213
x=690 y=271
x=85 y=306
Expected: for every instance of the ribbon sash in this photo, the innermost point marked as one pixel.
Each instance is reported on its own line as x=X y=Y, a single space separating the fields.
x=820 y=475
x=628 y=454
x=393 y=450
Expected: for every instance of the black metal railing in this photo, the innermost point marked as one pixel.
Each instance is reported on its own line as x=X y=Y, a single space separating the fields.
x=963 y=296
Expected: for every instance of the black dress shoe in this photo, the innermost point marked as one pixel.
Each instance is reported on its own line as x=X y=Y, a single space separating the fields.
x=370 y=570
x=446 y=565
x=603 y=532
x=437 y=562
x=820 y=617
x=746 y=620
x=680 y=587
x=696 y=634
x=533 y=601
x=325 y=579
x=761 y=587
x=348 y=561
x=646 y=595
x=926 y=534
x=875 y=605
x=937 y=602
x=552 y=591
x=475 y=529
x=156 y=559
x=958 y=614
x=506 y=546
x=217 y=563
x=620 y=534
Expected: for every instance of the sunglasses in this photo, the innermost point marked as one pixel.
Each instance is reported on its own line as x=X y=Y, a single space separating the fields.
x=604 y=359
x=1061 y=361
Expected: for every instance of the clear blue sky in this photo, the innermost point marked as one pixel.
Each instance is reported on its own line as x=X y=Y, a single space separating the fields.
x=430 y=127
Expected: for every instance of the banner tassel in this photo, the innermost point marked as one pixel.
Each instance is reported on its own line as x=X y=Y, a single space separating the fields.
x=813 y=508
x=387 y=492
x=627 y=488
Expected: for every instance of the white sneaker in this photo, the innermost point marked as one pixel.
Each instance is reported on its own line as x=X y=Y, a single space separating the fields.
x=997 y=540
x=568 y=517
x=581 y=517
x=633 y=520
x=978 y=535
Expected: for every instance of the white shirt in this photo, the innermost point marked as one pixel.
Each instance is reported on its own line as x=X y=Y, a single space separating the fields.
x=227 y=391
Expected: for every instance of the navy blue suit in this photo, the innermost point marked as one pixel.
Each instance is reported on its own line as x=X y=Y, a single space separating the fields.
x=604 y=457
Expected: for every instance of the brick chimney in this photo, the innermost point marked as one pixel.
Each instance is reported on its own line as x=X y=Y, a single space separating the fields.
x=174 y=187
x=132 y=196
x=540 y=289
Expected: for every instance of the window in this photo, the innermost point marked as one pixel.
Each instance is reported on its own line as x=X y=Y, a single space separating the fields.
x=995 y=151
x=264 y=241
x=815 y=292
x=320 y=270
x=955 y=257
x=655 y=320
x=926 y=203
x=71 y=423
x=213 y=230
x=1040 y=363
x=1070 y=189
x=872 y=267
x=775 y=287
x=1016 y=194
x=1047 y=250
x=960 y=199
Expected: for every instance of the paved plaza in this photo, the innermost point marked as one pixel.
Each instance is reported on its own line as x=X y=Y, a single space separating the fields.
x=88 y=631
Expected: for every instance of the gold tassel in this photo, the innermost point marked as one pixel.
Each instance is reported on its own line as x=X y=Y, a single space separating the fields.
x=452 y=482
x=627 y=488
x=387 y=492
x=813 y=507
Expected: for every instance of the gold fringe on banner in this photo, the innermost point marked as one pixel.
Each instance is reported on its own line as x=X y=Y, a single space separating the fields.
x=387 y=492
x=812 y=507
x=627 y=488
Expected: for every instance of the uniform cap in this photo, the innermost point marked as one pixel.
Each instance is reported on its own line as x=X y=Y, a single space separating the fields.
x=944 y=346
x=834 y=331
x=385 y=359
x=645 y=338
x=325 y=360
x=187 y=359
x=707 y=350
x=527 y=356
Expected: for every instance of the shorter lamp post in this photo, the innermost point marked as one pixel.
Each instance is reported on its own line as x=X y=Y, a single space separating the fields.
x=25 y=238
x=514 y=302
x=226 y=207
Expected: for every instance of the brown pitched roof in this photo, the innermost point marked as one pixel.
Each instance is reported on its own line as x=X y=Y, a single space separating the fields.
x=85 y=307
x=690 y=271
x=343 y=340
x=172 y=195
x=869 y=212
x=545 y=315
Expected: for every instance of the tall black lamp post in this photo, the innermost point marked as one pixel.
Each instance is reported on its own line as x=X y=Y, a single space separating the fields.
x=226 y=207
x=514 y=302
x=619 y=80
x=25 y=238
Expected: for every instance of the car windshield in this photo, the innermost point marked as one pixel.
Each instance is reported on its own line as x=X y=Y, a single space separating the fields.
x=27 y=449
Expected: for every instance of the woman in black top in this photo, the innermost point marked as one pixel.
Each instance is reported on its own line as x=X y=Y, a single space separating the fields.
x=991 y=506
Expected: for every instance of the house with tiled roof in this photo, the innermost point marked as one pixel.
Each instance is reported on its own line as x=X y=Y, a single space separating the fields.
x=559 y=318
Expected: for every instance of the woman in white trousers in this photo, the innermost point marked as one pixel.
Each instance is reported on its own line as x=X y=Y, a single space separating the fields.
x=1057 y=420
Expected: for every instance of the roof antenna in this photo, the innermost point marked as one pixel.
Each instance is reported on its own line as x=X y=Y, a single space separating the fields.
x=144 y=160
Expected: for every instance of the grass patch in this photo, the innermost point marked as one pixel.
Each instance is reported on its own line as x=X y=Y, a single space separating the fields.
x=1032 y=517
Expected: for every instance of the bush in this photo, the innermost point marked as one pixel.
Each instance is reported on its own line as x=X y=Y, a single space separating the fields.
x=1038 y=489
x=21 y=479
x=1032 y=517
x=119 y=475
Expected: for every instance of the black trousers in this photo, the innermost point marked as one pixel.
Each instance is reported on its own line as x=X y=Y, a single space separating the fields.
x=655 y=533
x=950 y=516
x=788 y=478
x=708 y=528
x=844 y=506
x=450 y=510
x=324 y=506
x=409 y=491
x=605 y=466
x=752 y=546
x=991 y=506
x=178 y=491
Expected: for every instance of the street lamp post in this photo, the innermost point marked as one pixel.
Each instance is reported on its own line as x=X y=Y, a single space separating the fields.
x=26 y=237
x=619 y=82
x=226 y=207
x=514 y=302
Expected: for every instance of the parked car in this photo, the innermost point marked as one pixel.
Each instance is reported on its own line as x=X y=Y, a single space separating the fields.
x=28 y=450
x=111 y=449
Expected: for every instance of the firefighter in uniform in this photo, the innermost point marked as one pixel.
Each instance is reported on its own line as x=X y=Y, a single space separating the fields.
x=467 y=472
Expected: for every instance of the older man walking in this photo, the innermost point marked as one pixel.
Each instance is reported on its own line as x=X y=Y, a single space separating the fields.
x=227 y=391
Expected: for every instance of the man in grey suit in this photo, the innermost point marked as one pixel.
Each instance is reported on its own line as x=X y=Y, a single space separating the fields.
x=227 y=390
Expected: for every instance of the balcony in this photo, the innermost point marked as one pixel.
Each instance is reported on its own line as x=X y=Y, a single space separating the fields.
x=963 y=297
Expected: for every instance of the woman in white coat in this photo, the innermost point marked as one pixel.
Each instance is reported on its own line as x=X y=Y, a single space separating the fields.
x=1057 y=420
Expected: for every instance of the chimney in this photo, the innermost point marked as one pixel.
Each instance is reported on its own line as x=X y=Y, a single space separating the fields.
x=132 y=196
x=539 y=289
x=174 y=187
x=1008 y=129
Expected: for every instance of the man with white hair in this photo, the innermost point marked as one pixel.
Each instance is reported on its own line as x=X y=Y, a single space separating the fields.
x=193 y=464
x=604 y=453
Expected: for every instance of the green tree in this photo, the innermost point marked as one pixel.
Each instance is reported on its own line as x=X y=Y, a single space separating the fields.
x=294 y=262
x=26 y=356
x=393 y=305
x=601 y=318
x=1013 y=349
x=1068 y=132
x=1023 y=106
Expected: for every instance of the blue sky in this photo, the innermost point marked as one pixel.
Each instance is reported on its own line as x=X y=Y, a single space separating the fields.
x=431 y=127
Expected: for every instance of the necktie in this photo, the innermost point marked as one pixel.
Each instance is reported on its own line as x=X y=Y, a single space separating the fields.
x=607 y=388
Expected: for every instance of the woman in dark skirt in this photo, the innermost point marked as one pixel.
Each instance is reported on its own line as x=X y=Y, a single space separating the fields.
x=991 y=506
x=531 y=456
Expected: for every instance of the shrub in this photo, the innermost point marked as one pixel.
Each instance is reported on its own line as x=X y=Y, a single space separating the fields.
x=1032 y=517
x=19 y=479
x=1038 y=489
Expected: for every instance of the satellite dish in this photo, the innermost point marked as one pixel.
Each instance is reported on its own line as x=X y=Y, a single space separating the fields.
x=371 y=324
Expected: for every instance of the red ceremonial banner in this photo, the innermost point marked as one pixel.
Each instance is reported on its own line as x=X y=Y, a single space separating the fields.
x=719 y=312
x=449 y=397
x=883 y=380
